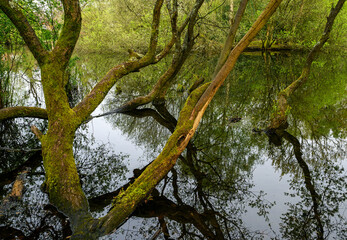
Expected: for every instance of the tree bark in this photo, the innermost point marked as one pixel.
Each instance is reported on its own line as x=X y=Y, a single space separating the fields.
x=231 y=36
x=16 y=112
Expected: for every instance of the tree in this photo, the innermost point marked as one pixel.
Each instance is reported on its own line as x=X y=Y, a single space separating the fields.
x=62 y=181
x=279 y=119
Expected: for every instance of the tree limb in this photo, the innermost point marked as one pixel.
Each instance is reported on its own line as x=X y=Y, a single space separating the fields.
x=181 y=53
x=231 y=37
x=150 y=55
x=15 y=112
x=11 y=9
x=99 y=92
x=70 y=31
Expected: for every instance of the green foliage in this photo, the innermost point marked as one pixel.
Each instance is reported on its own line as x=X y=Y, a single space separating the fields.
x=115 y=26
x=45 y=17
x=8 y=33
x=302 y=22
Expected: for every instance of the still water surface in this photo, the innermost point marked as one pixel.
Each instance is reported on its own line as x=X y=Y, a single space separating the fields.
x=231 y=182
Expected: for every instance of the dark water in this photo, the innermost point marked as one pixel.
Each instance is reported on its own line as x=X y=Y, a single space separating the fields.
x=230 y=183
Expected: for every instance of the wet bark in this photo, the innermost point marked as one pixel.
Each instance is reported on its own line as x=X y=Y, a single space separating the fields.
x=279 y=117
x=16 y=193
x=8 y=177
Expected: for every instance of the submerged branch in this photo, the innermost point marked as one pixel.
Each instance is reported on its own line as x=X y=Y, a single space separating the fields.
x=15 y=194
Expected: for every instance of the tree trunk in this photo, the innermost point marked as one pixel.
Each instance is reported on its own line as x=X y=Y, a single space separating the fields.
x=62 y=180
x=231 y=36
x=279 y=117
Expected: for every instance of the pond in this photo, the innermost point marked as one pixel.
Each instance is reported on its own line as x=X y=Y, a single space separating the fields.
x=232 y=182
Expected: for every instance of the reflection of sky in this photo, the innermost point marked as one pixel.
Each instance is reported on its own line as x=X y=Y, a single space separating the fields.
x=104 y=132
x=23 y=94
x=269 y=180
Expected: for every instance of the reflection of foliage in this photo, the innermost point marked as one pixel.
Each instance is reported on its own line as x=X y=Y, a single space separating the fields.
x=101 y=171
x=32 y=218
x=16 y=134
x=212 y=190
x=326 y=92
x=19 y=78
x=330 y=183
x=99 y=167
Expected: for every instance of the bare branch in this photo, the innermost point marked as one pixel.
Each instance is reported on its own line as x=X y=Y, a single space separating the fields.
x=37 y=132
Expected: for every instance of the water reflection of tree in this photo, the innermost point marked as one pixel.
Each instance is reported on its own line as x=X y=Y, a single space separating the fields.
x=205 y=197
x=318 y=186
x=31 y=216
x=229 y=147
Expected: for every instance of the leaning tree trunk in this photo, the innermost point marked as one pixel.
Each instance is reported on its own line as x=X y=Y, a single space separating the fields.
x=279 y=117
